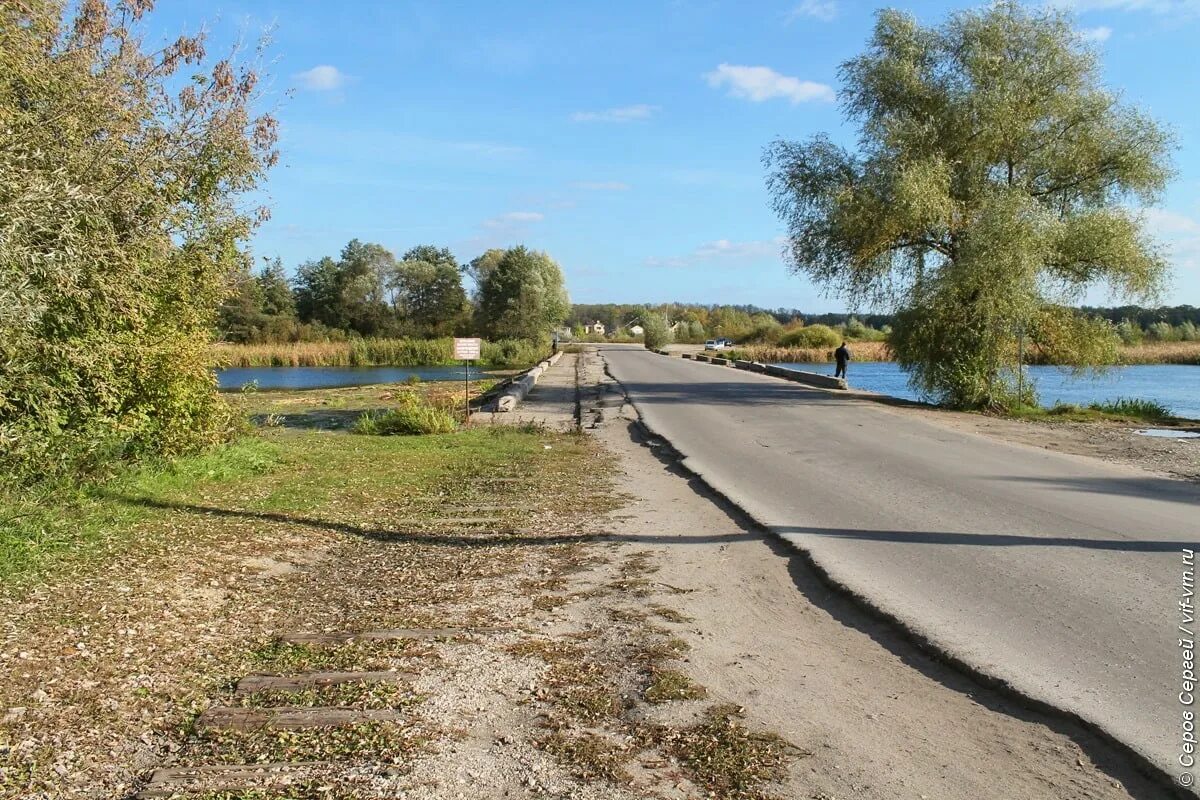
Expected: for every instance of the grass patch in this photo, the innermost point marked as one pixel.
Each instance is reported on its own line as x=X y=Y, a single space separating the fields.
x=670 y=614
x=724 y=757
x=413 y=417
x=359 y=694
x=1119 y=410
x=588 y=755
x=671 y=684
x=379 y=742
x=1133 y=408
x=64 y=524
x=276 y=656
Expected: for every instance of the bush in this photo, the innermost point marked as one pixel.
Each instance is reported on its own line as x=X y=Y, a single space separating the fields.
x=657 y=335
x=811 y=336
x=512 y=353
x=122 y=208
x=413 y=417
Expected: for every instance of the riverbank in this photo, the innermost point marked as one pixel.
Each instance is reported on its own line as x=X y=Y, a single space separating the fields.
x=1183 y=353
x=502 y=354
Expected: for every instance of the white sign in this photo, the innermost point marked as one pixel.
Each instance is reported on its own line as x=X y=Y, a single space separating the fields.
x=467 y=349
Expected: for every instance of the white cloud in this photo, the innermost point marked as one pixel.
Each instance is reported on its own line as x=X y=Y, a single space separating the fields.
x=513 y=219
x=1097 y=34
x=723 y=251
x=322 y=78
x=622 y=114
x=1179 y=232
x=601 y=186
x=763 y=83
x=824 y=10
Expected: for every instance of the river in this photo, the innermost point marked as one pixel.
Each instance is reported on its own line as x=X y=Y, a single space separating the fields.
x=1175 y=386
x=235 y=378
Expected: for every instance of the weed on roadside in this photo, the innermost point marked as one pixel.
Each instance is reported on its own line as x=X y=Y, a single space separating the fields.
x=720 y=754
x=671 y=684
x=589 y=755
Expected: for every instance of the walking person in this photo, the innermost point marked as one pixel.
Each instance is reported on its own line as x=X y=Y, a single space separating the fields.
x=841 y=355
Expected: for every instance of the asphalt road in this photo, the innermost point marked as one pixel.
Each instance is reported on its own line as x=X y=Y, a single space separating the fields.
x=1059 y=575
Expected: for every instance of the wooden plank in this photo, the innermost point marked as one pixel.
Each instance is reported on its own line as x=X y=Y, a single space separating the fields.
x=448 y=521
x=312 y=680
x=254 y=719
x=344 y=637
x=169 y=781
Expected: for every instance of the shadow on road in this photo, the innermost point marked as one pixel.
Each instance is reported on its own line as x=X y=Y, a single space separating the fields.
x=1171 y=490
x=1114 y=759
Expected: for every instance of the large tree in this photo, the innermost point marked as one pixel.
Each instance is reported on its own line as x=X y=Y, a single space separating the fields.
x=991 y=187
x=121 y=173
x=523 y=296
x=429 y=291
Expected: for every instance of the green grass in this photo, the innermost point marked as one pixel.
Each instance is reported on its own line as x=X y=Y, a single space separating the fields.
x=355 y=480
x=1120 y=410
x=1133 y=408
x=71 y=523
x=413 y=417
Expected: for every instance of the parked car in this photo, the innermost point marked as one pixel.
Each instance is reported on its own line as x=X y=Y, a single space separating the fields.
x=717 y=344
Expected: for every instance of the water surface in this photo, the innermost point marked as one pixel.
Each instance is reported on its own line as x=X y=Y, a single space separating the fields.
x=1176 y=386
x=235 y=378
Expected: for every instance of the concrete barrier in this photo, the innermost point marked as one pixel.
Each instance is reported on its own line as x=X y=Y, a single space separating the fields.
x=516 y=391
x=724 y=362
x=705 y=359
x=688 y=356
x=747 y=365
x=809 y=378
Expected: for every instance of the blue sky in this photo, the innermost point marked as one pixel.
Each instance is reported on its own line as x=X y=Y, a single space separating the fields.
x=624 y=138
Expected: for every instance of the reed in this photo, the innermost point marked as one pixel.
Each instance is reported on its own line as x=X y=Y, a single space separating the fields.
x=860 y=351
x=505 y=354
x=1161 y=353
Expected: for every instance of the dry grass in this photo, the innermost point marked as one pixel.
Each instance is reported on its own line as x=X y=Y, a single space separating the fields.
x=507 y=354
x=1149 y=353
x=730 y=761
x=861 y=351
x=671 y=684
x=1161 y=353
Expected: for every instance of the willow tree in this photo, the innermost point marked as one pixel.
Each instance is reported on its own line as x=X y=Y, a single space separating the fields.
x=524 y=296
x=992 y=186
x=120 y=172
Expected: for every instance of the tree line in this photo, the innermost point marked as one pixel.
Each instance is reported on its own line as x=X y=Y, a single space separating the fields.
x=367 y=291
x=693 y=322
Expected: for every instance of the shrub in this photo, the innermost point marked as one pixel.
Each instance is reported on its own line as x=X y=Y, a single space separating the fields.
x=811 y=336
x=657 y=335
x=121 y=212
x=512 y=353
x=413 y=417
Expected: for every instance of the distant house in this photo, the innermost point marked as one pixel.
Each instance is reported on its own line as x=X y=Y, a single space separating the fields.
x=636 y=330
x=596 y=328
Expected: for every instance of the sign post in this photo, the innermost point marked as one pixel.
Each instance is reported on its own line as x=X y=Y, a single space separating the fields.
x=467 y=350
